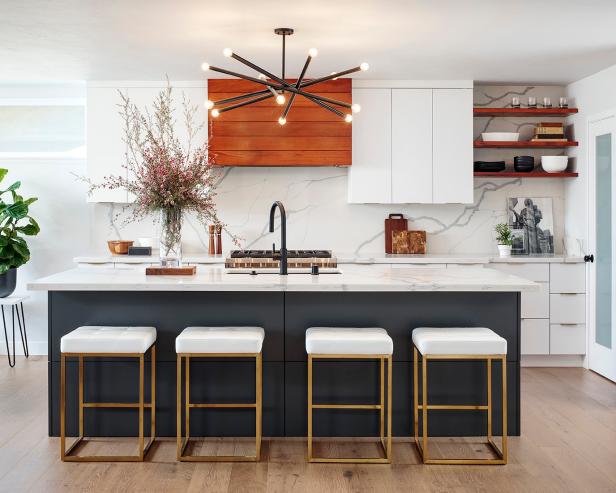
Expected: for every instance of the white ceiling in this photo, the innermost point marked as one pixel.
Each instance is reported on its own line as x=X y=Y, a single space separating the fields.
x=556 y=41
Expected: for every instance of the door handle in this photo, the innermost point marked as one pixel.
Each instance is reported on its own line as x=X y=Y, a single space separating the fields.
x=589 y=258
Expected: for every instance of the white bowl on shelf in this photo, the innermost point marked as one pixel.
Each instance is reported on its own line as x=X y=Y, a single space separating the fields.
x=500 y=136
x=554 y=164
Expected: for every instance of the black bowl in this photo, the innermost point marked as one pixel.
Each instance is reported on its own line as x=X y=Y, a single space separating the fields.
x=524 y=160
x=523 y=167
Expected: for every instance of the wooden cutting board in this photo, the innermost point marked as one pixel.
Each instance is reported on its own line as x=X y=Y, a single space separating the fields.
x=171 y=271
x=409 y=242
x=395 y=222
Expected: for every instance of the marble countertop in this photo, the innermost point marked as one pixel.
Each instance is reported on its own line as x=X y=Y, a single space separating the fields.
x=352 y=278
x=350 y=258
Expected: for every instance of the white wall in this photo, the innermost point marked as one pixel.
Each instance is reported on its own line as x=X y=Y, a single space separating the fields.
x=592 y=95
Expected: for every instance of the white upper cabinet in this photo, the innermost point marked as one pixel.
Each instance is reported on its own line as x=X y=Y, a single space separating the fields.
x=106 y=147
x=452 y=146
x=104 y=141
x=412 y=143
x=370 y=173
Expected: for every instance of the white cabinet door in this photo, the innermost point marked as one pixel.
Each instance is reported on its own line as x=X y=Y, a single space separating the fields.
x=567 y=339
x=568 y=278
x=411 y=146
x=105 y=144
x=536 y=304
x=370 y=174
x=452 y=141
x=535 y=336
x=568 y=308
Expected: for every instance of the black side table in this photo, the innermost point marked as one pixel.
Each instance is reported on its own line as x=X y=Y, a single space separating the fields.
x=17 y=308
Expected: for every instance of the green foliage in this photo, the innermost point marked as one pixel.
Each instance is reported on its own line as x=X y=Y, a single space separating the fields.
x=15 y=222
x=503 y=234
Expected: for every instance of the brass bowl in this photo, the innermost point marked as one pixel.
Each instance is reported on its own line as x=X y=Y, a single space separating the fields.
x=119 y=247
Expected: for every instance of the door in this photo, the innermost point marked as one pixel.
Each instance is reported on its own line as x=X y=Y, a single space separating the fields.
x=602 y=229
x=452 y=143
x=411 y=146
x=370 y=175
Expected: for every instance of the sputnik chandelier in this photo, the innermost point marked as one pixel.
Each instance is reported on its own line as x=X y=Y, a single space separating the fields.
x=278 y=88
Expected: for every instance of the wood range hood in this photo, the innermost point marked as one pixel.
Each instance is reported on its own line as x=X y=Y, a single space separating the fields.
x=252 y=136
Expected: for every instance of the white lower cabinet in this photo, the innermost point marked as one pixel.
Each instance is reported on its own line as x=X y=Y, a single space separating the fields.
x=567 y=339
x=568 y=308
x=536 y=304
x=535 y=336
x=553 y=318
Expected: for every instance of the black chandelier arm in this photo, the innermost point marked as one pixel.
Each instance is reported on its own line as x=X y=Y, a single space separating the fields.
x=242 y=96
x=245 y=103
x=298 y=84
x=258 y=69
x=332 y=76
x=325 y=105
x=324 y=99
x=246 y=77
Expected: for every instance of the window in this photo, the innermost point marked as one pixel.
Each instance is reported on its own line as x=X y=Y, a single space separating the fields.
x=42 y=128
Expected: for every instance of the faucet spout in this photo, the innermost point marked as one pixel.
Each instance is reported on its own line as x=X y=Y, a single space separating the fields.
x=283 y=234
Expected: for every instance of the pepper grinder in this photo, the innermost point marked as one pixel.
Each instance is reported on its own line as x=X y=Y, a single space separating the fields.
x=212 y=248
x=218 y=239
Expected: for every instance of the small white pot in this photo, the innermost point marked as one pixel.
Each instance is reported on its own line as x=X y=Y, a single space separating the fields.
x=504 y=250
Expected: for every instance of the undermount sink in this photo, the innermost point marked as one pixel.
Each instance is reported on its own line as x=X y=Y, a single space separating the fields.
x=304 y=271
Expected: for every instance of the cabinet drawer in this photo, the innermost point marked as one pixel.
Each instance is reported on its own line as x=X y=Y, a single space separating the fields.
x=536 y=304
x=568 y=339
x=567 y=278
x=568 y=308
x=532 y=272
x=535 y=337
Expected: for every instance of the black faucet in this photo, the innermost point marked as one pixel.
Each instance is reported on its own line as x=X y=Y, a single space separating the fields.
x=283 y=235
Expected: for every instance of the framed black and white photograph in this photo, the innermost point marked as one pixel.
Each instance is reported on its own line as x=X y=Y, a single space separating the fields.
x=533 y=225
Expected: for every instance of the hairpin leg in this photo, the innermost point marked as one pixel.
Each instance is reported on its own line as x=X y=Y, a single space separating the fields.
x=22 y=329
x=6 y=337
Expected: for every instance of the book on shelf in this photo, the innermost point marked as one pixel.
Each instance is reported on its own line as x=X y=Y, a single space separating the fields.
x=541 y=139
x=550 y=124
x=549 y=136
x=549 y=130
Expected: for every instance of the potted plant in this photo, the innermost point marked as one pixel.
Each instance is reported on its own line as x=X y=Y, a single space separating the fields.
x=15 y=222
x=503 y=239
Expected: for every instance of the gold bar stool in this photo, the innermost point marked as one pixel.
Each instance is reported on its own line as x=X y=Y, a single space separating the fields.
x=336 y=343
x=461 y=344
x=218 y=342
x=109 y=342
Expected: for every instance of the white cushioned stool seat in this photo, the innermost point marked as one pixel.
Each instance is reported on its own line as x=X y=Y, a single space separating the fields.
x=220 y=340
x=103 y=339
x=458 y=340
x=346 y=340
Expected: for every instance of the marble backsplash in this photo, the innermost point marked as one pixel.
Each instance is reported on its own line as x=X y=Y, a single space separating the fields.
x=320 y=217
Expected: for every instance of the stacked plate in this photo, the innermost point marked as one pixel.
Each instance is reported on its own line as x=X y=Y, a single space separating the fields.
x=492 y=166
x=524 y=164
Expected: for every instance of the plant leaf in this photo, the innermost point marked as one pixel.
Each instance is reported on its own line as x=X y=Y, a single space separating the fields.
x=14 y=186
x=3 y=172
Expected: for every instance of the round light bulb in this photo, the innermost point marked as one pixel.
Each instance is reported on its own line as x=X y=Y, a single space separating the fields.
x=209 y=104
x=205 y=66
x=348 y=118
x=280 y=99
x=355 y=108
x=227 y=52
x=282 y=120
x=215 y=113
x=313 y=52
x=364 y=66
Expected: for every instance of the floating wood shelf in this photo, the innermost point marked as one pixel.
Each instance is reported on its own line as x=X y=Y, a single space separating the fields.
x=532 y=174
x=524 y=111
x=522 y=144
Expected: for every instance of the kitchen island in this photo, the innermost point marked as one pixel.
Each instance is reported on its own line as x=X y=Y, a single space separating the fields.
x=285 y=306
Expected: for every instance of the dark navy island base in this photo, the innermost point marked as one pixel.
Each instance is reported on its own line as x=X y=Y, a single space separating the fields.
x=285 y=316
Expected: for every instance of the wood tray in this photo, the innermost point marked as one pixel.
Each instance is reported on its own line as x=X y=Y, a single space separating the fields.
x=171 y=271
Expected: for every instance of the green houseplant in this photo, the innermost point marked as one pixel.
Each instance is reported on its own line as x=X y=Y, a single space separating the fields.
x=15 y=222
x=504 y=239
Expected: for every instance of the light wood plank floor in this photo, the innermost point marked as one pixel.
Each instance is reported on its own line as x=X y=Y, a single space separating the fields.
x=569 y=444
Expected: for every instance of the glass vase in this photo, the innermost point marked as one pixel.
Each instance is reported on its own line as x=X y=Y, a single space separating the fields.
x=171 y=237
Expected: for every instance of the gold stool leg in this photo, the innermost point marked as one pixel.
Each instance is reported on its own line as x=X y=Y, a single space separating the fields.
x=178 y=411
x=382 y=401
x=187 y=399
x=504 y=404
x=424 y=401
x=415 y=396
x=62 y=406
x=141 y=407
x=81 y=391
x=258 y=404
x=153 y=395
x=309 y=408
x=489 y=365
x=389 y=401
